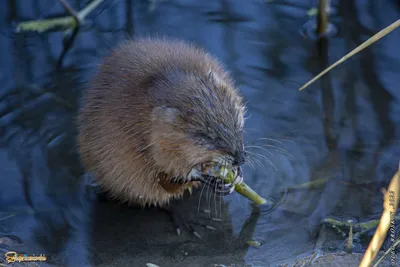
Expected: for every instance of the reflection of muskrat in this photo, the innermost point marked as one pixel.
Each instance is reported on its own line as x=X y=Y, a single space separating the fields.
x=155 y=112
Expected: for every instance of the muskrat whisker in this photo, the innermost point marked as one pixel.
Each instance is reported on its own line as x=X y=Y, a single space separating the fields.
x=262 y=156
x=225 y=164
x=215 y=195
x=269 y=161
x=277 y=140
x=209 y=193
x=220 y=204
x=262 y=148
x=284 y=151
x=249 y=162
x=252 y=155
x=201 y=194
x=215 y=202
x=257 y=161
x=273 y=140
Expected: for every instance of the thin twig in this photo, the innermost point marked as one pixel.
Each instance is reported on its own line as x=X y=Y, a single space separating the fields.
x=67 y=44
x=70 y=10
x=89 y=8
x=367 y=43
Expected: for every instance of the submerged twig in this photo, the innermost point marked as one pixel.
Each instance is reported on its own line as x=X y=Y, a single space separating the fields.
x=8 y=216
x=390 y=204
x=361 y=226
x=53 y=96
x=362 y=46
x=310 y=185
x=67 y=44
x=62 y=22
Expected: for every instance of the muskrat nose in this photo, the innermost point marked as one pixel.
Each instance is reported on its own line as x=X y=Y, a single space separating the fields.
x=239 y=158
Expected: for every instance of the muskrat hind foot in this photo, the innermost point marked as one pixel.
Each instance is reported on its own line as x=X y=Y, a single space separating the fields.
x=179 y=221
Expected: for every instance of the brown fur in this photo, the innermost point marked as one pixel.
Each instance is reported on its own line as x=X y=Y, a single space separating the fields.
x=148 y=98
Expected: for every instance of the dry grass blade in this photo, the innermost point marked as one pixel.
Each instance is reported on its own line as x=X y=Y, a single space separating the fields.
x=364 y=45
x=393 y=246
x=390 y=204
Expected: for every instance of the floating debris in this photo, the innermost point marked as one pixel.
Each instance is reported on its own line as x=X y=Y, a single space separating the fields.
x=254 y=243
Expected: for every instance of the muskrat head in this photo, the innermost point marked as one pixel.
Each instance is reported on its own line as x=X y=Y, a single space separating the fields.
x=199 y=130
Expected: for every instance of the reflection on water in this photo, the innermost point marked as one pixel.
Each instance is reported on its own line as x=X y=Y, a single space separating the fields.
x=342 y=129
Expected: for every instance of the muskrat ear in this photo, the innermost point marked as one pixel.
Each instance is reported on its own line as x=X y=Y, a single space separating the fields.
x=166 y=114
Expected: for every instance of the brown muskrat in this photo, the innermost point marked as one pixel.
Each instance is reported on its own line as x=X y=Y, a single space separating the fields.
x=155 y=113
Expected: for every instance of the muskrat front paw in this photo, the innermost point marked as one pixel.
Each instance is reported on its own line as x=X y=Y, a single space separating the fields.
x=180 y=222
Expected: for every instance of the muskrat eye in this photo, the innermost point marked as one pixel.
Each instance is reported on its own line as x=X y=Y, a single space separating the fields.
x=203 y=136
x=218 y=142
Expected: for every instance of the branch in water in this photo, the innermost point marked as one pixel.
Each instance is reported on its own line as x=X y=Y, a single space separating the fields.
x=68 y=22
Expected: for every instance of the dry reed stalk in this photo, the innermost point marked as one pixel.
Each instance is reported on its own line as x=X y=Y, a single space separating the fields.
x=390 y=204
x=362 y=46
x=322 y=17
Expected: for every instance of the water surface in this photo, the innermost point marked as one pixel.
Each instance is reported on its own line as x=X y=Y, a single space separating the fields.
x=343 y=128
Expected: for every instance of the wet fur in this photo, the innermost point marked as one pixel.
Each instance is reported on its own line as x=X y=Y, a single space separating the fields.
x=147 y=101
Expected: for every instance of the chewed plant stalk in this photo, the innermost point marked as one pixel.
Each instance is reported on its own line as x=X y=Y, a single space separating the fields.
x=242 y=188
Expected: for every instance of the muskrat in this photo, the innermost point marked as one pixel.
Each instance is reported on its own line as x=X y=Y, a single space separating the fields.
x=156 y=110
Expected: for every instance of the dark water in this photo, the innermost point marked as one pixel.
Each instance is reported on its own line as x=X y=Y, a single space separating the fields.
x=344 y=128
